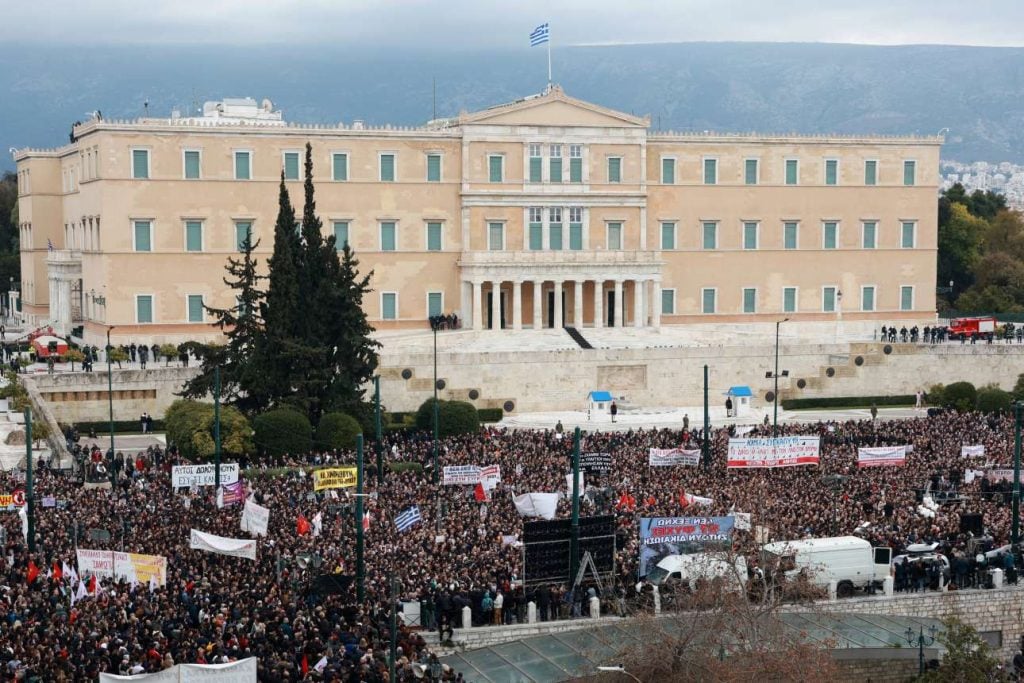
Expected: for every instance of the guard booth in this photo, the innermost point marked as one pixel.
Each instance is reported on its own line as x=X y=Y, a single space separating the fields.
x=740 y=396
x=599 y=404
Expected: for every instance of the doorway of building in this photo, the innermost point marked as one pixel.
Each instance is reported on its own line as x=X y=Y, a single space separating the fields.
x=490 y=310
x=611 y=308
x=551 y=309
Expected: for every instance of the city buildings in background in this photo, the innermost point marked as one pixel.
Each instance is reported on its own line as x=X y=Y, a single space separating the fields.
x=1004 y=178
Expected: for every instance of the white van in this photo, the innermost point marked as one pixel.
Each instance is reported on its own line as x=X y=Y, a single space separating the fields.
x=849 y=561
x=708 y=566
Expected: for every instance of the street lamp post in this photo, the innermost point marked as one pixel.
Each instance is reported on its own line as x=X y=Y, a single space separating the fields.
x=377 y=429
x=922 y=641
x=436 y=473
x=775 y=375
x=216 y=428
x=1015 y=533
x=360 y=540
x=618 y=670
x=110 y=403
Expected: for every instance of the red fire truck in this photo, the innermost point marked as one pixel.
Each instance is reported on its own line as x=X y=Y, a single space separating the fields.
x=965 y=328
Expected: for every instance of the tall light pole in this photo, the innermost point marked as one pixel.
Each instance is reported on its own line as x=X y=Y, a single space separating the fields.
x=574 y=538
x=436 y=473
x=1015 y=535
x=360 y=542
x=110 y=402
x=921 y=640
x=30 y=506
x=216 y=428
x=775 y=375
x=377 y=429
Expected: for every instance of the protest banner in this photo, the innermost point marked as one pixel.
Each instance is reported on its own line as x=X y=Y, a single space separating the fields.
x=99 y=563
x=140 y=568
x=235 y=547
x=568 y=484
x=187 y=476
x=455 y=475
x=537 y=504
x=255 y=518
x=784 y=451
x=664 y=536
x=999 y=474
x=12 y=501
x=243 y=671
x=596 y=463
x=334 y=478
x=233 y=493
x=972 y=451
x=741 y=521
x=882 y=455
x=664 y=457
x=491 y=473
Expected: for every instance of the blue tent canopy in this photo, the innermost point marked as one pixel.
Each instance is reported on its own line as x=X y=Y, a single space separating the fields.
x=600 y=396
x=740 y=391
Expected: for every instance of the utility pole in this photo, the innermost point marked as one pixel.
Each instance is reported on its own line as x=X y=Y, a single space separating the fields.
x=379 y=445
x=216 y=428
x=436 y=473
x=110 y=402
x=706 y=445
x=360 y=541
x=1015 y=537
x=775 y=375
x=574 y=539
x=28 y=482
x=394 y=630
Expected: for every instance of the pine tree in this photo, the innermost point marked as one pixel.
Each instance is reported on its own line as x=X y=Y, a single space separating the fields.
x=281 y=310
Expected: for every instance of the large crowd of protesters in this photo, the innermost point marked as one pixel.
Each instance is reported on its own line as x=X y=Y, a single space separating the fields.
x=216 y=608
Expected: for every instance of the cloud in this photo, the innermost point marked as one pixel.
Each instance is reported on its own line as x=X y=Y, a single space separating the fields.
x=451 y=25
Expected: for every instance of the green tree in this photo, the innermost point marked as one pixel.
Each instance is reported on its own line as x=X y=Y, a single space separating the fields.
x=1018 y=388
x=968 y=658
x=281 y=431
x=118 y=355
x=999 y=286
x=190 y=426
x=169 y=352
x=1005 y=234
x=9 y=213
x=282 y=302
x=959 y=242
x=355 y=357
x=72 y=356
x=992 y=399
x=337 y=431
x=453 y=417
x=960 y=395
x=986 y=204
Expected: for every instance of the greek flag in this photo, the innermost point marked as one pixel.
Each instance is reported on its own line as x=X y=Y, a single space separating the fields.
x=408 y=518
x=540 y=35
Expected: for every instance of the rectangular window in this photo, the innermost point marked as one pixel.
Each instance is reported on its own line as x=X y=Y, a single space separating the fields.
x=291 y=165
x=388 y=236
x=870 y=172
x=789 y=235
x=789 y=299
x=555 y=228
x=710 y=171
x=906 y=298
x=435 y=304
x=750 y=171
x=536 y=228
x=828 y=299
x=870 y=235
x=144 y=308
x=615 y=235
x=668 y=171
x=496 y=168
x=710 y=240
x=243 y=163
x=192 y=164
x=707 y=301
x=792 y=171
x=536 y=164
x=831 y=171
x=433 y=168
x=495 y=236
x=555 y=164
x=907 y=235
x=193 y=235
x=387 y=168
x=830 y=238
x=339 y=166
x=434 y=236
x=340 y=235
x=614 y=169
x=140 y=164
x=243 y=232
x=389 y=306
x=575 y=163
x=909 y=172
x=195 y=308
x=867 y=298
x=575 y=236
x=668 y=301
x=668 y=235
x=143 y=233
x=749 y=300
x=750 y=235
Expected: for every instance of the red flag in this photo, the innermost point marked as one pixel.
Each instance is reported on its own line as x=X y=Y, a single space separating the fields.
x=366 y=521
x=33 y=572
x=302 y=526
x=91 y=587
x=305 y=665
x=683 y=501
x=479 y=493
x=57 y=573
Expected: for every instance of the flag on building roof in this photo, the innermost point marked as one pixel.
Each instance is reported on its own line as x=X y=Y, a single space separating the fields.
x=540 y=35
x=408 y=518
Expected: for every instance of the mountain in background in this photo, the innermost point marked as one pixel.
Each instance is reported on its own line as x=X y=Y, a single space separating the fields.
x=977 y=92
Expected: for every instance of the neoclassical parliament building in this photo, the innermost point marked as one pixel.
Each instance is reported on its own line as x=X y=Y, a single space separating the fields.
x=544 y=212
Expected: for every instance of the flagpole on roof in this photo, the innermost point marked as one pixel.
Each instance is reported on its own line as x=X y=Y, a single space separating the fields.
x=549 y=63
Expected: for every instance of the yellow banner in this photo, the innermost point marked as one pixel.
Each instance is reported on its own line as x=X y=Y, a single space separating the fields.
x=334 y=478
x=141 y=567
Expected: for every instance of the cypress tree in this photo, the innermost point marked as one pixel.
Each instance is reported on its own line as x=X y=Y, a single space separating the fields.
x=281 y=311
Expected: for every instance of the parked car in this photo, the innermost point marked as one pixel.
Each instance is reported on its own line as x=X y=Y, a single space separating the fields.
x=849 y=561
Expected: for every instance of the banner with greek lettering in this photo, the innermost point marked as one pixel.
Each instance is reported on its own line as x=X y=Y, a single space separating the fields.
x=885 y=455
x=334 y=478
x=1000 y=474
x=235 y=547
x=135 y=567
x=187 y=476
x=665 y=457
x=596 y=463
x=784 y=451
x=972 y=451
x=664 y=536
x=98 y=563
x=255 y=518
x=455 y=475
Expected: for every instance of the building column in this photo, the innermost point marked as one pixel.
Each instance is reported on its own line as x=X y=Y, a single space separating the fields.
x=638 y=303
x=619 y=317
x=598 y=303
x=655 y=304
x=577 y=308
x=478 y=305
x=538 y=294
x=517 y=304
x=558 y=305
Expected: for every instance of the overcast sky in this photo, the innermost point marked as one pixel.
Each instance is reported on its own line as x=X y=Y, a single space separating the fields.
x=455 y=24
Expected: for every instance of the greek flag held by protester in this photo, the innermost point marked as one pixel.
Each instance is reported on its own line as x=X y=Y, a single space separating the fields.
x=408 y=518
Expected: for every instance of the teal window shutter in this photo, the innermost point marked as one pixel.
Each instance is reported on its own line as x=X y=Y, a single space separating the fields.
x=668 y=301
x=433 y=168
x=339 y=163
x=907 y=237
x=710 y=171
x=193 y=236
x=668 y=171
x=750 y=235
x=195 y=308
x=495 y=236
x=668 y=235
x=831 y=230
x=789 y=300
x=555 y=170
x=555 y=236
x=791 y=172
x=144 y=308
x=906 y=298
x=433 y=236
x=614 y=170
x=789 y=236
x=242 y=166
x=828 y=302
x=749 y=300
x=495 y=168
x=140 y=164
x=750 y=171
x=291 y=165
x=615 y=235
x=909 y=172
x=831 y=171
x=388 y=241
x=870 y=234
x=387 y=168
x=575 y=236
x=389 y=305
x=708 y=301
x=434 y=301
x=340 y=235
x=243 y=231
x=710 y=235
x=868 y=299
x=575 y=170
x=143 y=236
x=192 y=165
x=536 y=236
x=870 y=172
x=535 y=169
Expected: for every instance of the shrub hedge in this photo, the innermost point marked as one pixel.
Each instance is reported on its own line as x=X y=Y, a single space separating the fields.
x=337 y=431
x=847 y=402
x=281 y=431
x=454 y=417
x=120 y=426
x=491 y=414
